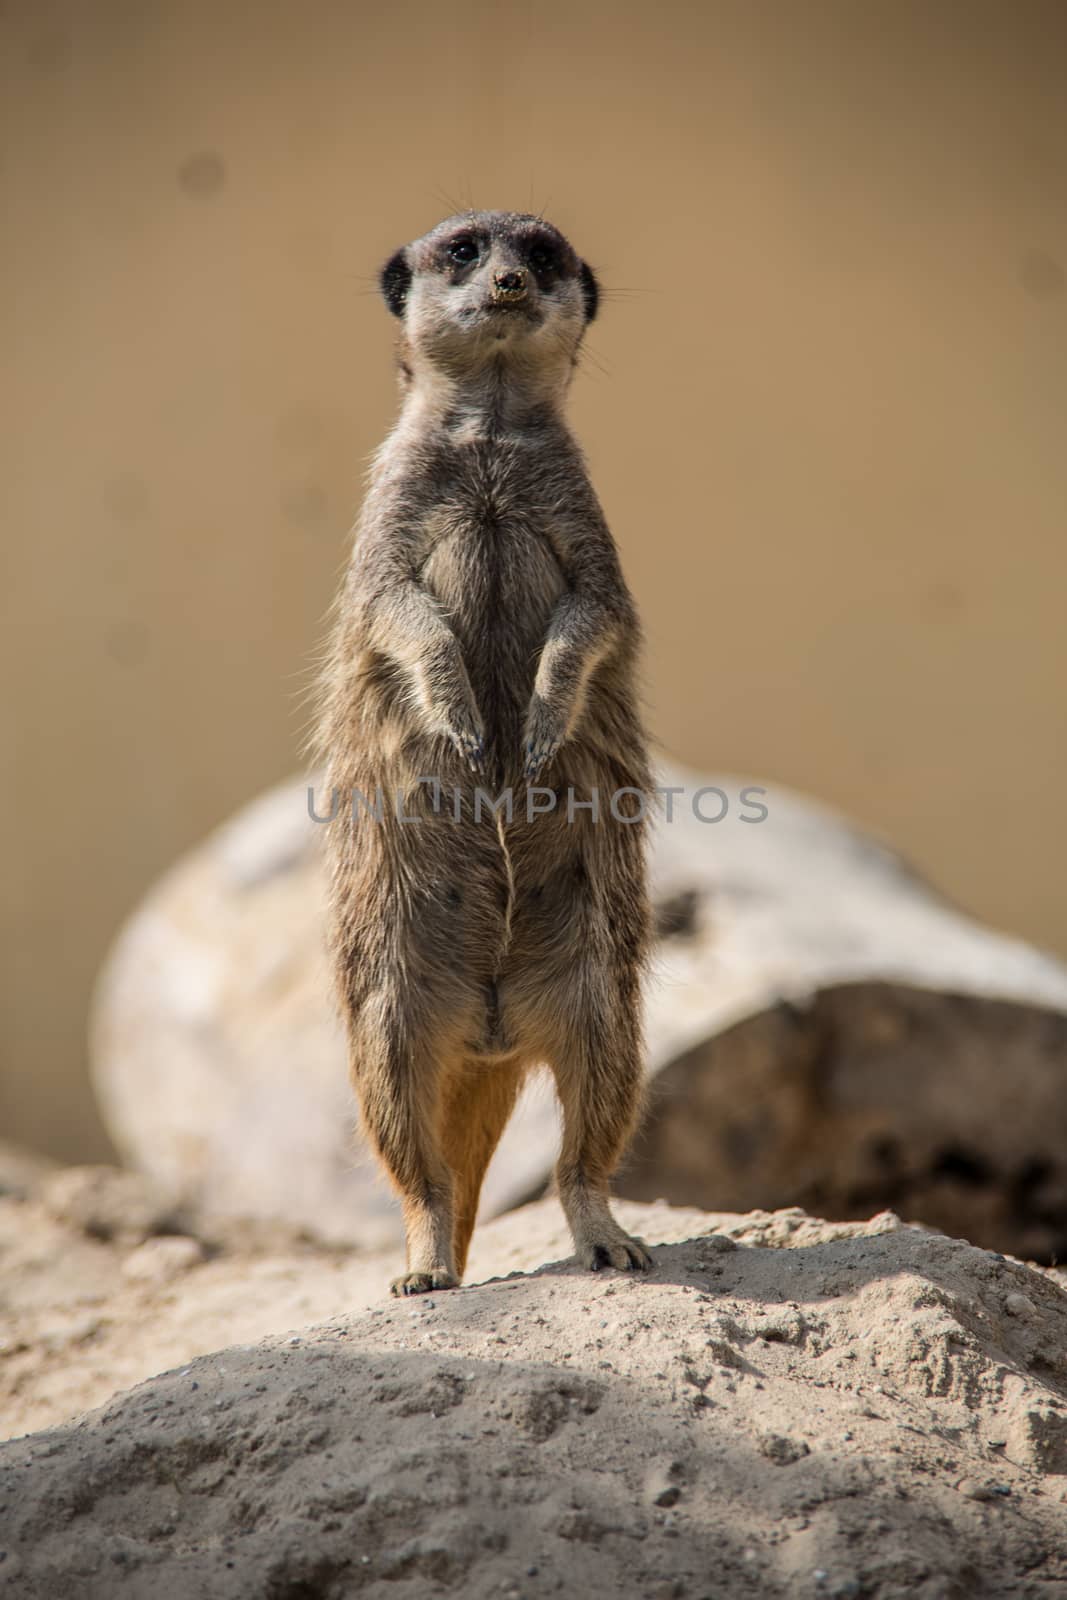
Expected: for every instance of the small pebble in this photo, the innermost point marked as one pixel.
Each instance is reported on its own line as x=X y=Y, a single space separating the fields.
x=974 y=1489
x=780 y=1450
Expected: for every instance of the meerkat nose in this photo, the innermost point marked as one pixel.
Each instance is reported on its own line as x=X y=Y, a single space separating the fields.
x=510 y=283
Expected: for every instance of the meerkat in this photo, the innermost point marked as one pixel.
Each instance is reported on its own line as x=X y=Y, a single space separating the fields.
x=485 y=644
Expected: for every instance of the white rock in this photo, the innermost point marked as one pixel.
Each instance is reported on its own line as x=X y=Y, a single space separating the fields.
x=824 y=1030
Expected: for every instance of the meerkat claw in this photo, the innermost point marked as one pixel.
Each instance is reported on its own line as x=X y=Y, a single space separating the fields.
x=625 y=1254
x=472 y=748
x=537 y=759
x=476 y=756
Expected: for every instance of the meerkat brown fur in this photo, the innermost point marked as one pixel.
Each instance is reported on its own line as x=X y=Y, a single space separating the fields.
x=485 y=643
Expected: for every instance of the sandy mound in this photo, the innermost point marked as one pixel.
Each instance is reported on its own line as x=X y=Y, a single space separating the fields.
x=866 y=1410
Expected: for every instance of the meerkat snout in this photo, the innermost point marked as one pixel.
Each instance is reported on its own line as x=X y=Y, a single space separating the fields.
x=509 y=285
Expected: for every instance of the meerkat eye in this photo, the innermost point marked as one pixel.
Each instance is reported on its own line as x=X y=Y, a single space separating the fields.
x=463 y=251
x=542 y=257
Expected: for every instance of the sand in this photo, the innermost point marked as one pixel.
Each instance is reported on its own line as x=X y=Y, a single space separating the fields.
x=784 y=1406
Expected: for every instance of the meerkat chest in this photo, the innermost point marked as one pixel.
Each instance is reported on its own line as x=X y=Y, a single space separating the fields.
x=490 y=558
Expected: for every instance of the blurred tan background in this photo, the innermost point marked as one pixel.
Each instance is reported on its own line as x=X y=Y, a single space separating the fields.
x=825 y=407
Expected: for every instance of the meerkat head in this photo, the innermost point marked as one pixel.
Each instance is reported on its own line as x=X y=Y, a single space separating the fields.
x=491 y=289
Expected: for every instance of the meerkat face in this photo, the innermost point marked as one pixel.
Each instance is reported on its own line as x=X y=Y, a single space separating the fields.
x=490 y=286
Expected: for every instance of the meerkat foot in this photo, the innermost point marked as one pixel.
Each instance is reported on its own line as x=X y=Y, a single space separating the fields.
x=600 y=1248
x=423 y=1282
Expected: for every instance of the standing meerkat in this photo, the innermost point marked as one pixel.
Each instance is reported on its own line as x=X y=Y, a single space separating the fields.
x=485 y=646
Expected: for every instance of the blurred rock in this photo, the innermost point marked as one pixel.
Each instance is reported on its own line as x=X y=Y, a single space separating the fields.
x=218 y=1059
x=831 y=1033
x=20 y=1169
x=160 y=1260
x=107 y=1204
x=822 y=1028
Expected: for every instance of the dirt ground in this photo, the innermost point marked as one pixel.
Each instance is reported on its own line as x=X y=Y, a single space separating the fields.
x=782 y=1407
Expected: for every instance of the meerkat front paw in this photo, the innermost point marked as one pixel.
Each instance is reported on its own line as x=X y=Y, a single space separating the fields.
x=544 y=735
x=465 y=732
x=423 y=1282
x=471 y=747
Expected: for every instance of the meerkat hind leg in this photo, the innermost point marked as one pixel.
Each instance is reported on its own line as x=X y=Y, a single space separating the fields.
x=428 y=1226
x=477 y=1104
x=600 y=1098
x=398 y=1087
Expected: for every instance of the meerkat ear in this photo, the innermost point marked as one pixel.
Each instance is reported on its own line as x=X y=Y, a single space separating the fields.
x=590 y=290
x=394 y=281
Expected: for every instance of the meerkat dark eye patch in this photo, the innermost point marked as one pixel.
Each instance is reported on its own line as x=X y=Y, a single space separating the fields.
x=463 y=250
x=395 y=281
x=590 y=290
x=542 y=257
